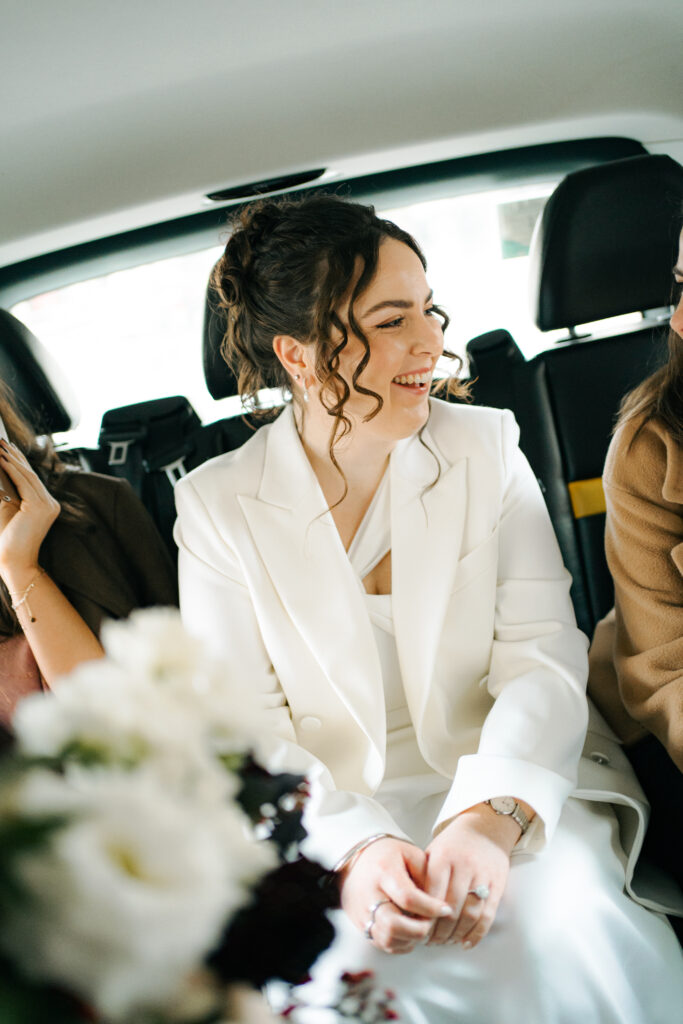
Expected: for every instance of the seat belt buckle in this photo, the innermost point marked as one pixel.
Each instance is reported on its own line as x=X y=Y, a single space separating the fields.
x=175 y=470
x=118 y=452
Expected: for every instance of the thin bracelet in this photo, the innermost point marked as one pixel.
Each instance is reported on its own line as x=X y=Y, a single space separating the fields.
x=23 y=596
x=348 y=860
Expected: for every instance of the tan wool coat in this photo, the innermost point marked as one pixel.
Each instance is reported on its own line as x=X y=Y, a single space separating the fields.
x=636 y=675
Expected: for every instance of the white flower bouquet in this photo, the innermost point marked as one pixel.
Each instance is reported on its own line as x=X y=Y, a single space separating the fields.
x=134 y=873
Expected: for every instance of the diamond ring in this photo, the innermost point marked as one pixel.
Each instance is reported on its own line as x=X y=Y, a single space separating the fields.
x=482 y=892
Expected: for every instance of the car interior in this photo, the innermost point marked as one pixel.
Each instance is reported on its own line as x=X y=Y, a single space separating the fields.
x=571 y=168
x=602 y=245
x=534 y=149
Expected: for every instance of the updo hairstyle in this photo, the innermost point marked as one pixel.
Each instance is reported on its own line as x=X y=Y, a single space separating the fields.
x=286 y=269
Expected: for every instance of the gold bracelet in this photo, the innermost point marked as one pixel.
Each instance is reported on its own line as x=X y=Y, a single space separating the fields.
x=22 y=598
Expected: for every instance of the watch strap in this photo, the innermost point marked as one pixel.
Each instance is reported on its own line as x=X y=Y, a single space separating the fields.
x=517 y=814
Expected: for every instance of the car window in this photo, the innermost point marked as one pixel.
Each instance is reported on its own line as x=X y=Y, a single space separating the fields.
x=128 y=336
x=136 y=334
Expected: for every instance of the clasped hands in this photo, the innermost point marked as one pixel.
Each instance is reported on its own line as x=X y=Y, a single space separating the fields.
x=428 y=896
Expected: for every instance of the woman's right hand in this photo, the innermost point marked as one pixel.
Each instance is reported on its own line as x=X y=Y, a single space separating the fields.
x=391 y=870
x=24 y=520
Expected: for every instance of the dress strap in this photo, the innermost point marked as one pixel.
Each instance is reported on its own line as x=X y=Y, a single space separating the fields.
x=372 y=539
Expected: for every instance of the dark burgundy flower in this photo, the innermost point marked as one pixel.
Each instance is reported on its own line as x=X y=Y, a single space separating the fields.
x=284 y=929
x=275 y=801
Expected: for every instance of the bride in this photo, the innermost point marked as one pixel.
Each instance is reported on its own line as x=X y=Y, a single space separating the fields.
x=378 y=567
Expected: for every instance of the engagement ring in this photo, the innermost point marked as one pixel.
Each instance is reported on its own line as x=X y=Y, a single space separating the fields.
x=482 y=892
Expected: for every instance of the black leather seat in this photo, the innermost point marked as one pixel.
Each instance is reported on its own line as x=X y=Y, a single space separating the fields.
x=33 y=379
x=604 y=245
x=152 y=444
x=220 y=380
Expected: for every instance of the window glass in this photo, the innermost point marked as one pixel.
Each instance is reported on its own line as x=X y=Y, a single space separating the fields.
x=127 y=337
x=477 y=253
x=137 y=334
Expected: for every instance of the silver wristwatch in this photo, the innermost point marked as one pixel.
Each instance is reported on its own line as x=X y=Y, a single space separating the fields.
x=508 y=805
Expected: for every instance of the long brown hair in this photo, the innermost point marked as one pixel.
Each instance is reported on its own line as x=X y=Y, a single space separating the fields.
x=660 y=396
x=286 y=269
x=53 y=473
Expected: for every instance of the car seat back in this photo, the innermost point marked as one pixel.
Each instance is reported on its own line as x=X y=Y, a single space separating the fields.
x=152 y=444
x=33 y=379
x=604 y=246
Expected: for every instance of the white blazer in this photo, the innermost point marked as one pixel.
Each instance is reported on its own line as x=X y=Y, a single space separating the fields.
x=493 y=665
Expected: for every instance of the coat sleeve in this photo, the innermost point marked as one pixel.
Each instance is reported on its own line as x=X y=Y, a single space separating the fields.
x=644 y=546
x=216 y=606
x=533 y=735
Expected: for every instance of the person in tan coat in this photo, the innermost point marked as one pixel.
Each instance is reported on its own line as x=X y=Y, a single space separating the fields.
x=636 y=660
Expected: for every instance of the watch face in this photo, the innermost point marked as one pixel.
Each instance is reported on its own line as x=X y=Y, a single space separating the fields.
x=503 y=804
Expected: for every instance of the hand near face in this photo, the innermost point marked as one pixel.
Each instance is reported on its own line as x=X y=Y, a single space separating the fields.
x=24 y=522
x=392 y=873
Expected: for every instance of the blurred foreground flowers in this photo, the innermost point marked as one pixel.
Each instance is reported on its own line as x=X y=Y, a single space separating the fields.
x=149 y=865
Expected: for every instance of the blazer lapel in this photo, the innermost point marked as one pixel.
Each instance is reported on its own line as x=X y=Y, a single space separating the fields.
x=426 y=529
x=300 y=546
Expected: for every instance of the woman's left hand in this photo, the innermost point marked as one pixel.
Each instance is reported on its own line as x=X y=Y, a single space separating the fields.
x=23 y=523
x=472 y=851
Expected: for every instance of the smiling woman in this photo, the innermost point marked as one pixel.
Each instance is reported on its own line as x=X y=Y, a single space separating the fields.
x=376 y=564
x=381 y=568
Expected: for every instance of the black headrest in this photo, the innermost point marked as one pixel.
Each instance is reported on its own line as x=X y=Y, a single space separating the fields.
x=606 y=242
x=220 y=380
x=31 y=376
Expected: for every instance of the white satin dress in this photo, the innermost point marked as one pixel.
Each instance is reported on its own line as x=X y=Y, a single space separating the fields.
x=567 y=946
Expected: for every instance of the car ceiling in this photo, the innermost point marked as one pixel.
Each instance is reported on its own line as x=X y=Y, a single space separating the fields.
x=119 y=115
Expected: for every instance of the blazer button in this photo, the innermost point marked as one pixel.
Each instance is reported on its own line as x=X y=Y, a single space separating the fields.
x=309 y=723
x=599 y=758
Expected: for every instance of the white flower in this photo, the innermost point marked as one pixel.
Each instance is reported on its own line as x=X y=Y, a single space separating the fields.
x=227 y=712
x=153 y=644
x=115 y=719
x=155 y=697
x=97 y=705
x=130 y=896
x=245 y=1006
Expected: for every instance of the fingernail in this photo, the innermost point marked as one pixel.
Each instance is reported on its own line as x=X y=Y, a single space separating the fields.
x=467 y=944
x=446 y=911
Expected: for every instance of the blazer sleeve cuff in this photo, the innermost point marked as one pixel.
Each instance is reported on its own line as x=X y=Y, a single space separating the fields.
x=338 y=820
x=480 y=777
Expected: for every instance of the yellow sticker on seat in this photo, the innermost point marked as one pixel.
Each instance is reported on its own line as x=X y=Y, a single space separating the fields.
x=587 y=497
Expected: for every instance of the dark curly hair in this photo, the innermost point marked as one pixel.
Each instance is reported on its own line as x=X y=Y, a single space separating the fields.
x=286 y=268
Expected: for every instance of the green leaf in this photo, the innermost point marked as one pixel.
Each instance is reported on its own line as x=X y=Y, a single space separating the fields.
x=18 y=837
x=22 y=1002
